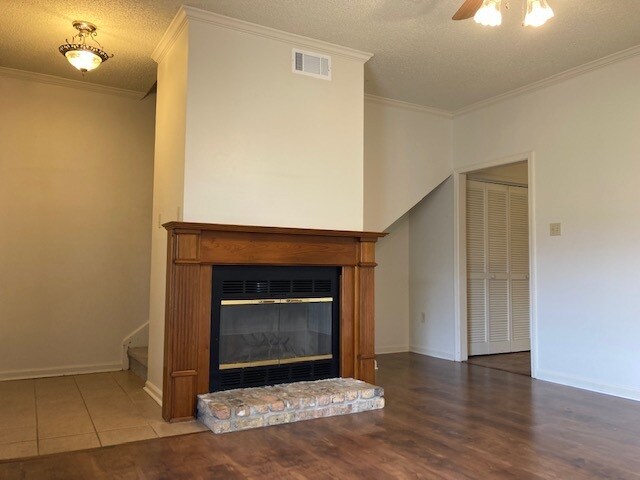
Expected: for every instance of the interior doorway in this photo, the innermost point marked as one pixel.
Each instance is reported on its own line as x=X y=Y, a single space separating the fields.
x=494 y=266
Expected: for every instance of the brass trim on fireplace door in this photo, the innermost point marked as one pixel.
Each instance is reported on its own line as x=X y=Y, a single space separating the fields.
x=271 y=301
x=276 y=361
x=309 y=358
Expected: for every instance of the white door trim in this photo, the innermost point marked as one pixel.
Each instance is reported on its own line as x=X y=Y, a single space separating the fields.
x=460 y=254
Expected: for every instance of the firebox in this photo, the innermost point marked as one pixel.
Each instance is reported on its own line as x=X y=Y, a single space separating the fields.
x=273 y=325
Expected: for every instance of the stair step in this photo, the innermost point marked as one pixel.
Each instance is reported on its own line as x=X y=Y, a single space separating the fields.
x=138 y=361
x=140 y=354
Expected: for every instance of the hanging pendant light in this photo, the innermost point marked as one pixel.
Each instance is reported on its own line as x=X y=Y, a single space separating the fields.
x=82 y=56
x=489 y=14
x=538 y=12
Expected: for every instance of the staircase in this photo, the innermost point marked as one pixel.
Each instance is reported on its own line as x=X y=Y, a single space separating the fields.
x=138 y=361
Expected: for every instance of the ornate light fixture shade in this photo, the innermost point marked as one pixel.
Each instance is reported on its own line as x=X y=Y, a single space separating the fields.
x=489 y=13
x=538 y=12
x=81 y=55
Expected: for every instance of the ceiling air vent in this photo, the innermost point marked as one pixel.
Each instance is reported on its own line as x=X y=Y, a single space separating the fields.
x=312 y=64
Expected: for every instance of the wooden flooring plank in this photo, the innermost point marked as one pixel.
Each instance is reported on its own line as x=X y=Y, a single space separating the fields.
x=443 y=420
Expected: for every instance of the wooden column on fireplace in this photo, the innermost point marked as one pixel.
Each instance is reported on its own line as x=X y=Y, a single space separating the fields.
x=194 y=250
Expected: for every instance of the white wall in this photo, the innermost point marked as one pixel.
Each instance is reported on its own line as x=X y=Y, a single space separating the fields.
x=168 y=191
x=408 y=152
x=266 y=146
x=75 y=195
x=431 y=274
x=584 y=135
x=392 y=289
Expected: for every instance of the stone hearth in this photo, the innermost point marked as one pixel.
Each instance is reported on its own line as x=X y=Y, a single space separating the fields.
x=245 y=408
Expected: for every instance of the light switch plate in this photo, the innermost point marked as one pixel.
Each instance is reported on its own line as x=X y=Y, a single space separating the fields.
x=555 y=229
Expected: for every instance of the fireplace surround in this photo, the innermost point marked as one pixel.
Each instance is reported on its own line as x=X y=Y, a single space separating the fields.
x=197 y=253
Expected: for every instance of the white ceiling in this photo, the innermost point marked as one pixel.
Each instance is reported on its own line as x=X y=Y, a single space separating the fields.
x=420 y=54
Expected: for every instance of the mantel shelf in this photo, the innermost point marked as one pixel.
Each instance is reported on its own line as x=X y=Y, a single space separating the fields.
x=214 y=227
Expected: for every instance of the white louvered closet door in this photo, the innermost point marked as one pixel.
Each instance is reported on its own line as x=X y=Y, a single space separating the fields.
x=478 y=332
x=519 y=268
x=497 y=268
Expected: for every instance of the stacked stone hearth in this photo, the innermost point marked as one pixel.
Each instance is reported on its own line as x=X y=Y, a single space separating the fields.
x=245 y=408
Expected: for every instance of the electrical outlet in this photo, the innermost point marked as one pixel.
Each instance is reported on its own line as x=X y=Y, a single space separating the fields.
x=555 y=229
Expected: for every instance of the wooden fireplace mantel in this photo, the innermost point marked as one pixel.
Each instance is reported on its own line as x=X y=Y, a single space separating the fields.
x=194 y=250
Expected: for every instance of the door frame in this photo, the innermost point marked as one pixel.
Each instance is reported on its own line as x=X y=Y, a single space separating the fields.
x=460 y=253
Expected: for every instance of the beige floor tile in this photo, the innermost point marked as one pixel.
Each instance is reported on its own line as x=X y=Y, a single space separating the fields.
x=69 y=421
x=55 y=388
x=128 y=381
x=147 y=407
x=16 y=434
x=16 y=392
x=18 y=450
x=101 y=387
x=114 y=412
x=61 y=408
x=141 y=396
x=111 y=408
x=67 y=444
x=166 y=429
x=12 y=416
x=95 y=381
x=113 y=437
x=118 y=420
x=150 y=413
x=17 y=411
x=13 y=388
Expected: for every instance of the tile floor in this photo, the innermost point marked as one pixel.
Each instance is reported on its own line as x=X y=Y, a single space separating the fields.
x=50 y=415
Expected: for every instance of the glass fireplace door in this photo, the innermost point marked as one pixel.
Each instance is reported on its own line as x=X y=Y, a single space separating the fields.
x=274 y=331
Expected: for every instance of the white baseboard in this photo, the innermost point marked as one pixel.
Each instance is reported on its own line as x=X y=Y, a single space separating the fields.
x=392 y=349
x=153 y=391
x=431 y=352
x=59 y=371
x=587 y=384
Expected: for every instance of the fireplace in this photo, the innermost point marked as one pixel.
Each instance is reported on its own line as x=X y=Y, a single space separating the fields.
x=273 y=325
x=298 y=265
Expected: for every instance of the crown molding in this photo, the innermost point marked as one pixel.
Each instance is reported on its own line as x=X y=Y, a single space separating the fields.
x=67 y=82
x=552 y=80
x=171 y=34
x=407 y=106
x=187 y=13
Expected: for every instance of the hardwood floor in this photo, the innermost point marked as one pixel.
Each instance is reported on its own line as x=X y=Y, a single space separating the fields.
x=442 y=420
x=519 y=362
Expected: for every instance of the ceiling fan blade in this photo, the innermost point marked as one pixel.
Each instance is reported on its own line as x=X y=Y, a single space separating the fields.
x=468 y=9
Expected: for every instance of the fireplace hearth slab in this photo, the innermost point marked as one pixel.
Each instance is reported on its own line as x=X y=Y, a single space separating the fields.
x=245 y=408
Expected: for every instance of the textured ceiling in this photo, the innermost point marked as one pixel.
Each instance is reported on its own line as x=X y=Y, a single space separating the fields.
x=421 y=56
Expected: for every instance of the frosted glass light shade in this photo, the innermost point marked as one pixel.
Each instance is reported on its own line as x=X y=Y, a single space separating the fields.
x=489 y=14
x=83 y=60
x=538 y=12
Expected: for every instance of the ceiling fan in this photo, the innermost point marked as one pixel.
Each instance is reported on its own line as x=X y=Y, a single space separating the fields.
x=487 y=12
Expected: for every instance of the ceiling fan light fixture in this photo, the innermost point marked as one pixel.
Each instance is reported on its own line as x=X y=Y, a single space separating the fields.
x=81 y=55
x=538 y=12
x=489 y=14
